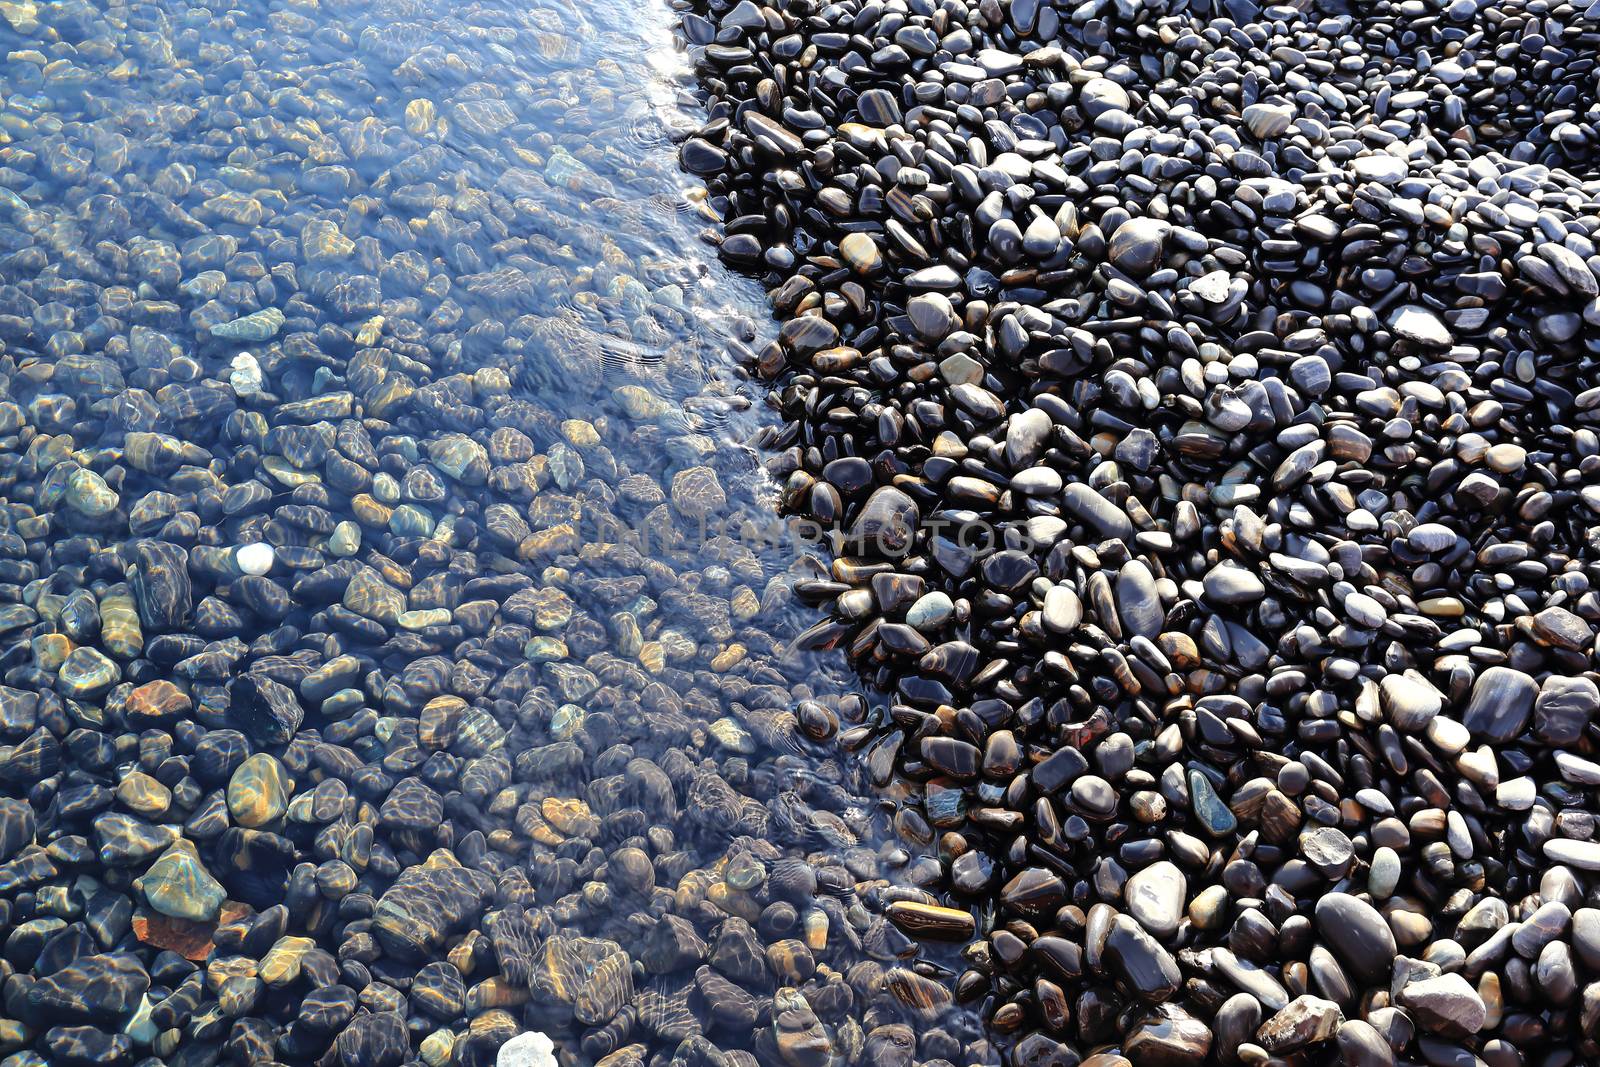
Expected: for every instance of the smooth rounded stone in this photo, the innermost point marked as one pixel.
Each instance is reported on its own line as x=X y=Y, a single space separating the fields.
x=1136 y=246
x=932 y=316
x=1266 y=120
x=1362 y=1046
x=1564 y=708
x=1517 y=794
x=1138 y=603
x=529 y=1049
x=88 y=494
x=861 y=253
x=1027 y=436
x=1382 y=168
x=156 y=701
x=1036 y=482
x=1042 y=238
x=1421 y=326
x=1255 y=981
x=1357 y=933
x=1231 y=584
x=1584 y=855
x=345 y=540
x=1104 y=517
x=1140 y=963
x=1100 y=95
x=699 y=156
x=255 y=558
x=972 y=873
x=178 y=885
x=1383 y=878
x=1365 y=611
x=1214 y=817
x=1577 y=770
x=258 y=792
x=1501 y=703
x=1236 y=1021
x=960 y=369
x=1062 y=609
x=125 y=841
x=1431 y=537
x=1548 y=922
x=807 y=335
x=1094 y=796
x=1586 y=935
x=84 y=1046
x=888 y=521
x=1156 y=897
x=86 y=674
x=931 y=921
x=377 y=1039
x=143 y=795
x=1410 y=703
x=252 y=328
x=158 y=576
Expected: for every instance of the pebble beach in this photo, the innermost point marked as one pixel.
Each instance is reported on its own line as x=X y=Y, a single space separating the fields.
x=864 y=534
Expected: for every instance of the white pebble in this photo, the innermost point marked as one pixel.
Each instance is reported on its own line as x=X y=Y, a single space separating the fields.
x=255 y=558
x=531 y=1049
x=1517 y=795
x=246 y=377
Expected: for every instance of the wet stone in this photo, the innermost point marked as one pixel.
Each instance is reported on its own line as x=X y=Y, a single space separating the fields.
x=18 y=824
x=255 y=327
x=1502 y=700
x=439 y=990
x=258 y=792
x=1357 y=933
x=1136 y=246
x=158 y=576
x=1156 y=897
x=1168 y=1038
x=178 y=885
x=86 y=674
x=95 y=989
x=1447 y=1005
x=1138 y=604
x=373 y=1040
x=1306 y=1020
x=265 y=709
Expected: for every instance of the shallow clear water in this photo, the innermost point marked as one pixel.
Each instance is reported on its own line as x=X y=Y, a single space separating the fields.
x=415 y=294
